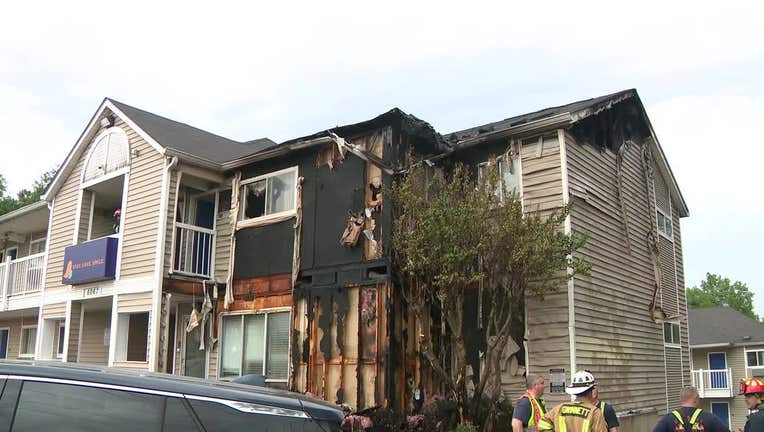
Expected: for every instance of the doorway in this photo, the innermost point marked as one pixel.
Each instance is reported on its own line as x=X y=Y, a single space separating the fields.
x=193 y=360
x=717 y=363
x=721 y=410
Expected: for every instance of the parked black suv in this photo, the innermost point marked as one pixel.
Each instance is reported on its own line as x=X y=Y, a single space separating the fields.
x=63 y=397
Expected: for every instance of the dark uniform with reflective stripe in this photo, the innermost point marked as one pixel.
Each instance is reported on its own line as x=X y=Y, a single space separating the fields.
x=755 y=421
x=689 y=419
x=609 y=413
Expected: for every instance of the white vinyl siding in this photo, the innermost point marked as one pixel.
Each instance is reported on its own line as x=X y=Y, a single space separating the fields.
x=110 y=153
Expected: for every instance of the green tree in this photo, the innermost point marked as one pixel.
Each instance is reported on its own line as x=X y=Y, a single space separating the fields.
x=24 y=196
x=716 y=290
x=453 y=234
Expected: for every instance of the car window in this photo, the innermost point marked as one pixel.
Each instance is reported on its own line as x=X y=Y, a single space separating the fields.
x=177 y=416
x=216 y=417
x=69 y=408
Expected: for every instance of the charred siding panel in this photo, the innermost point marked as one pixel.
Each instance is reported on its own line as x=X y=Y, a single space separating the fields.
x=139 y=235
x=616 y=338
x=673 y=376
x=264 y=251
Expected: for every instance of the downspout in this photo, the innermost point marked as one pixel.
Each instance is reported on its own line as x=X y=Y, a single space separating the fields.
x=568 y=231
x=156 y=304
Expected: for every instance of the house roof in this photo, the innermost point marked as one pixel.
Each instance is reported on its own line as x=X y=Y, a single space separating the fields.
x=723 y=325
x=190 y=140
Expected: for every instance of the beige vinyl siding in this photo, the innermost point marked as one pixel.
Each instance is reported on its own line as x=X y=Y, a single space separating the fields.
x=615 y=336
x=85 y=208
x=681 y=298
x=141 y=215
x=673 y=376
x=74 y=331
x=222 y=243
x=135 y=302
x=170 y=225
x=547 y=320
x=542 y=176
x=212 y=364
x=736 y=362
x=57 y=310
x=93 y=350
x=14 y=333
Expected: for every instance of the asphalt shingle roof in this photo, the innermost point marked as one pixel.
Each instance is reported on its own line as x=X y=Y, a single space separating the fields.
x=190 y=140
x=718 y=325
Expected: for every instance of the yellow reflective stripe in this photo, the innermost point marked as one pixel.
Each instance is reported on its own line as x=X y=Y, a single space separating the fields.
x=678 y=417
x=562 y=427
x=695 y=416
x=532 y=420
x=586 y=426
x=602 y=406
x=545 y=424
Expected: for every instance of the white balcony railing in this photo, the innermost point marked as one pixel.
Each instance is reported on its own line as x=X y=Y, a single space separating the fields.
x=25 y=274
x=715 y=383
x=194 y=248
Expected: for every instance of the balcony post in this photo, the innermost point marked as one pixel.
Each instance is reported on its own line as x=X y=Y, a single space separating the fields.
x=6 y=281
x=701 y=387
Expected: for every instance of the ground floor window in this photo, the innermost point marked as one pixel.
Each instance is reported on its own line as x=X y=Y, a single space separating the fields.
x=4 y=343
x=721 y=410
x=256 y=344
x=28 y=341
x=132 y=336
x=61 y=331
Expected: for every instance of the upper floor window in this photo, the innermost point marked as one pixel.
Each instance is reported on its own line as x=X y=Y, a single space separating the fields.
x=110 y=152
x=664 y=224
x=269 y=194
x=509 y=173
x=755 y=363
x=671 y=333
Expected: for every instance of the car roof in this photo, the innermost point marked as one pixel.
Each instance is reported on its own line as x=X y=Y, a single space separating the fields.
x=167 y=383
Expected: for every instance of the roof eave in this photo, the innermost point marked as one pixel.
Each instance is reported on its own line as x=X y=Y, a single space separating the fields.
x=275 y=152
x=23 y=210
x=556 y=121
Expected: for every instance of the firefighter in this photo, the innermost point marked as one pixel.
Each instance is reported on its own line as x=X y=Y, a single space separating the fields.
x=581 y=415
x=530 y=407
x=753 y=389
x=689 y=417
x=607 y=411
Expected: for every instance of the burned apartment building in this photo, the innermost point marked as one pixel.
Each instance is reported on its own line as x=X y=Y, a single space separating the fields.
x=172 y=249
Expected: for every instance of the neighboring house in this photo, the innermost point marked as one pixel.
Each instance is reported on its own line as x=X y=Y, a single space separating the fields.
x=230 y=258
x=23 y=235
x=726 y=346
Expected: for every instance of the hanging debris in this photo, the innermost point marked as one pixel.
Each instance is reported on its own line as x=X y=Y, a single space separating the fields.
x=355 y=223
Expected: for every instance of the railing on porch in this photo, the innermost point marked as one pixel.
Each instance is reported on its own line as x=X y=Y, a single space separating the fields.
x=193 y=248
x=715 y=383
x=25 y=274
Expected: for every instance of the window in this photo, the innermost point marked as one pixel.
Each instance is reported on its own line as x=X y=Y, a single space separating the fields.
x=110 y=152
x=755 y=363
x=509 y=173
x=28 y=340
x=256 y=344
x=4 y=333
x=671 y=333
x=12 y=253
x=37 y=246
x=46 y=406
x=268 y=195
x=60 y=341
x=664 y=225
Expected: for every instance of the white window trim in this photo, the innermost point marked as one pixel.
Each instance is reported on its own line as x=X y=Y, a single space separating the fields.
x=7 y=342
x=265 y=340
x=515 y=149
x=59 y=326
x=672 y=344
x=21 y=340
x=729 y=412
x=36 y=241
x=749 y=369
x=660 y=230
x=243 y=197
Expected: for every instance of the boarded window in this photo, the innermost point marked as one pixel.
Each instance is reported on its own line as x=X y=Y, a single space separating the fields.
x=256 y=344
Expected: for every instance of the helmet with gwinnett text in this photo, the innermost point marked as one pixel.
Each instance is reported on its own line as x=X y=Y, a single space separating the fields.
x=752 y=386
x=581 y=382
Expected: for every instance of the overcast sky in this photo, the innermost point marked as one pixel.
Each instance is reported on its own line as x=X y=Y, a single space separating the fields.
x=287 y=70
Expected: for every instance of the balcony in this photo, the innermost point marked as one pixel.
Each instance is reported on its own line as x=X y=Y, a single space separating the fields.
x=193 y=250
x=21 y=276
x=713 y=383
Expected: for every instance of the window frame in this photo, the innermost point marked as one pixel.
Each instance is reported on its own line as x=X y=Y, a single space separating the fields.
x=21 y=341
x=482 y=165
x=111 y=174
x=661 y=229
x=37 y=241
x=243 y=197
x=6 y=253
x=673 y=343
x=61 y=325
x=729 y=412
x=748 y=368
x=242 y=314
